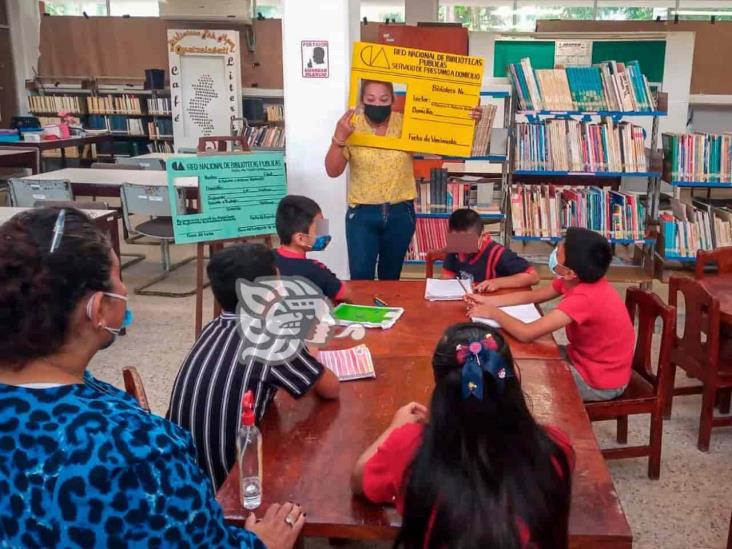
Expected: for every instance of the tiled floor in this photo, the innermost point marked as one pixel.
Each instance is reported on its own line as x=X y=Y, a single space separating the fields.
x=689 y=507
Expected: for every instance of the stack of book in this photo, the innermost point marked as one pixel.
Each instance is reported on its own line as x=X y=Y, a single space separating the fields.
x=442 y=194
x=158 y=106
x=134 y=126
x=114 y=104
x=121 y=125
x=574 y=146
x=265 y=137
x=54 y=103
x=698 y=157
x=160 y=128
x=688 y=228
x=275 y=113
x=482 y=137
x=546 y=211
x=431 y=234
x=608 y=86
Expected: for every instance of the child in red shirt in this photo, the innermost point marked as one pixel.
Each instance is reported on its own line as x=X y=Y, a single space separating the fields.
x=479 y=472
x=600 y=333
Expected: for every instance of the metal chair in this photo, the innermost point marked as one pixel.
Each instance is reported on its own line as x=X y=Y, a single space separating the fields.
x=154 y=202
x=110 y=166
x=24 y=193
x=135 y=162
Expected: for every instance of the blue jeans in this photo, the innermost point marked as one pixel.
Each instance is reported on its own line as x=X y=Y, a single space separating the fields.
x=379 y=233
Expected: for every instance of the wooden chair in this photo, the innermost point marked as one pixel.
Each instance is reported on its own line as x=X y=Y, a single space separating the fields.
x=432 y=256
x=697 y=352
x=134 y=386
x=647 y=391
x=719 y=257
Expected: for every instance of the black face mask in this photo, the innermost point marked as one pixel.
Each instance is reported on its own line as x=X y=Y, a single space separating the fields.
x=377 y=113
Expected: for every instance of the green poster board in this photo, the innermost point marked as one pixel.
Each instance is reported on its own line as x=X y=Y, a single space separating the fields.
x=651 y=54
x=238 y=195
x=507 y=52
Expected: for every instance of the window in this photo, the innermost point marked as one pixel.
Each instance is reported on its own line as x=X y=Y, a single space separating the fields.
x=270 y=9
x=636 y=10
x=134 y=8
x=702 y=10
x=76 y=7
x=496 y=15
x=380 y=11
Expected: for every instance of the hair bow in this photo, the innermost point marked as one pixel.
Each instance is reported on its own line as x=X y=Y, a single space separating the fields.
x=476 y=358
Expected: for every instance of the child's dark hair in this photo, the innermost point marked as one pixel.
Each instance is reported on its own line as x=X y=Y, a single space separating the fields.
x=485 y=469
x=40 y=290
x=587 y=253
x=248 y=261
x=295 y=214
x=465 y=219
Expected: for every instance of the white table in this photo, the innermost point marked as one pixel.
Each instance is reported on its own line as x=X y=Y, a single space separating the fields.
x=105 y=182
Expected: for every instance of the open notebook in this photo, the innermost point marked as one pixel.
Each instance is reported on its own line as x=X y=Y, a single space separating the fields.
x=349 y=364
x=451 y=289
x=524 y=313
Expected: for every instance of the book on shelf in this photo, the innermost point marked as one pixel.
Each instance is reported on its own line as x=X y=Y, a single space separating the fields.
x=160 y=146
x=459 y=192
x=571 y=145
x=546 y=211
x=606 y=86
x=160 y=128
x=688 y=228
x=265 y=136
x=697 y=157
x=114 y=104
x=430 y=234
x=158 y=105
x=54 y=103
x=482 y=137
x=274 y=112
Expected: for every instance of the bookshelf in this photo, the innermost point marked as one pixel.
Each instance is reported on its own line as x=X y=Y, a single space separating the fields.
x=581 y=156
x=264 y=115
x=478 y=177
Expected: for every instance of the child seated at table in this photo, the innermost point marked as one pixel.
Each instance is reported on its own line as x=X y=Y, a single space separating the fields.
x=600 y=333
x=490 y=265
x=302 y=228
x=475 y=470
x=208 y=389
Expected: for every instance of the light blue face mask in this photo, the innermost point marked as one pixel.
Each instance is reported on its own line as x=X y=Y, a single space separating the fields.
x=126 y=320
x=321 y=242
x=553 y=262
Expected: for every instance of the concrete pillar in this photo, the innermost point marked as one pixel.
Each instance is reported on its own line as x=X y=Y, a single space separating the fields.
x=24 y=20
x=420 y=11
x=314 y=105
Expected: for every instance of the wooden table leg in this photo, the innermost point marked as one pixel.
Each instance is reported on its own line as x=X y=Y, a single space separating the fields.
x=199 y=289
x=63 y=157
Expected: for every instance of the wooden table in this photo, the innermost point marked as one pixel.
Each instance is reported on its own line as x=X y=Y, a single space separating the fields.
x=721 y=288
x=20 y=158
x=310 y=448
x=52 y=144
x=423 y=322
x=106 y=220
x=101 y=182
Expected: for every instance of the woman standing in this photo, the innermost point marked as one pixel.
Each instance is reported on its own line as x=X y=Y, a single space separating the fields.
x=380 y=221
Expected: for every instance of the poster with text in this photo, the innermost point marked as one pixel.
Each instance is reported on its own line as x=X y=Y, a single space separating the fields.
x=205 y=84
x=315 y=58
x=238 y=195
x=441 y=91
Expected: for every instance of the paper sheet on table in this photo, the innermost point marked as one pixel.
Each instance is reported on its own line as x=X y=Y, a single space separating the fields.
x=451 y=289
x=524 y=313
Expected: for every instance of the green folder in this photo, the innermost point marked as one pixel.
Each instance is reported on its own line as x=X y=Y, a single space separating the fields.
x=369 y=317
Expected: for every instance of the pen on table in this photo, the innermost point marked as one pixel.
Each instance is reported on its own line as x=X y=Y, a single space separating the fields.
x=380 y=302
x=460 y=281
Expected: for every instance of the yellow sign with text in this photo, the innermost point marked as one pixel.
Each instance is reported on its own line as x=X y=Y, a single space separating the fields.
x=441 y=91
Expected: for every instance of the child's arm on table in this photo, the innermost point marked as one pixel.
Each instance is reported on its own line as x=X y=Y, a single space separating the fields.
x=328 y=386
x=539 y=295
x=518 y=280
x=524 y=331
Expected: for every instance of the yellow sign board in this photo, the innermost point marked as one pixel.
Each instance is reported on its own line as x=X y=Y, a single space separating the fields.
x=441 y=90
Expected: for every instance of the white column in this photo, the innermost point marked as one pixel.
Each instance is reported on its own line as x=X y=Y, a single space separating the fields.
x=24 y=20
x=420 y=11
x=314 y=105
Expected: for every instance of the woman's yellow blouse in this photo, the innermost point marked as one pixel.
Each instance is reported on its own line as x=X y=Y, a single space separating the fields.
x=379 y=176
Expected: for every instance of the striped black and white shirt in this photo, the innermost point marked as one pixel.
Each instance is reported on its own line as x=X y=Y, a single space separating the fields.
x=207 y=392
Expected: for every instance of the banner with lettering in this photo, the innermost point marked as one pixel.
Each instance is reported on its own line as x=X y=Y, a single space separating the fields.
x=238 y=194
x=205 y=84
x=441 y=90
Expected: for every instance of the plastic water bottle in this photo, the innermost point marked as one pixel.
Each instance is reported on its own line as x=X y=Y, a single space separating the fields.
x=249 y=452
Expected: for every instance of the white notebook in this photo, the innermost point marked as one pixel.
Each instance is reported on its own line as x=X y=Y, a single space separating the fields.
x=451 y=289
x=524 y=313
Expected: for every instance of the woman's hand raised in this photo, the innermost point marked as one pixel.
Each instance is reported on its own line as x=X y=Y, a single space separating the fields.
x=344 y=127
